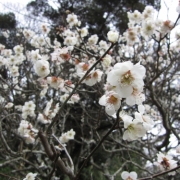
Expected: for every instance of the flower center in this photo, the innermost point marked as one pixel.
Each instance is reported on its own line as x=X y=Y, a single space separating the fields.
x=43 y=68
x=112 y=100
x=165 y=163
x=129 y=178
x=127 y=78
x=85 y=67
x=95 y=75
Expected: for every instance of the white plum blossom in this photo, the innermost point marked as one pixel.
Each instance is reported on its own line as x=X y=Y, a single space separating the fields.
x=126 y=76
x=113 y=36
x=9 y=105
x=18 y=49
x=68 y=86
x=60 y=55
x=103 y=45
x=27 y=131
x=28 y=109
x=93 y=77
x=106 y=61
x=134 y=17
x=28 y=34
x=65 y=137
x=83 y=32
x=148 y=27
x=165 y=163
x=129 y=175
x=112 y=102
x=30 y=176
x=178 y=149
x=167 y=26
x=136 y=97
x=49 y=112
x=14 y=70
x=44 y=29
x=93 y=39
x=72 y=19
x=70 y=134
x=43 y=119
x=70 y=41
x=134 y=128
x=81 y=68
x=55 y=82
x=178 y=8
x=41 y=68
x=75 y=98
x=148 y=123
x=34 y=55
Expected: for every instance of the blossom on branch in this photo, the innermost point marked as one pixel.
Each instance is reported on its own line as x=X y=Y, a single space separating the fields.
x=165 y=163
x=129 y=176
x=30 y=176
x=134 y=128
x=126 y=76
x=41 y=68
x=112 y=102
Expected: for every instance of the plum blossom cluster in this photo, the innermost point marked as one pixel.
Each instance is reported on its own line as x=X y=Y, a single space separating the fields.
x=49 y=112
x=129 y=175
x=27 y=131
x=126 y=80
x=30 y=176
x=56 y=73
x=165 y=163
x=28 y=109
x=65 y=137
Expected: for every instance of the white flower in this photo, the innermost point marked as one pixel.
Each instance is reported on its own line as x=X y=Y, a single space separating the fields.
x=83 y=32
x=70 y=41
x=28 y=34
x=34 y=55
x=165 y=163
x=103 y=45
x=178 y=8
x=44 y=29
x=93 y=77
x=65 y=137
x=167 y=26
x=28 y=109
x=9 y=105
x=18 y=49
x=82 y=68
x=43 y=119
x=148 y=27
x=148 y=123
x=55 y=82
x=137 y=97
x=136 y=16
x=126 y=76
x=134 y=128
x=178 y=149
x=72 y=19
x=113 y=36
x=27 y=131
x=129 y=176
x=30 y=176
x=106 y=61
x=70 y=134
x=75 y=98
x=14 y=70
x=41 y=68
x=111 y=101
x=93 y=39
